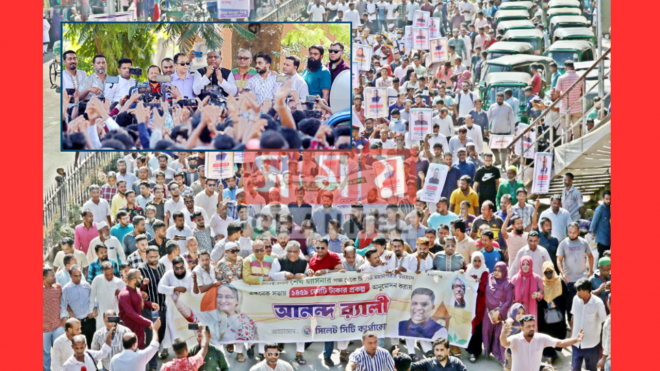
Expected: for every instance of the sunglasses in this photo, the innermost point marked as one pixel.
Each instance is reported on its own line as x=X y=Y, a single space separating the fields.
x=274 y=354
x=184 y=64
x=233 y=251
x=182 y=268
x=321 y=248
x=268 y=247
x=243 y=58
x=334 y=51
x=259 y=250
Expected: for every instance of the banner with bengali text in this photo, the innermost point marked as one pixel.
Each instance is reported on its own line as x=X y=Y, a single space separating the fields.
x=338 y=306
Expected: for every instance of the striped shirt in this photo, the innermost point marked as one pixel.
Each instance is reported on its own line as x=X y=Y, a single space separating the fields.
x=78 y=298
x=564 y=82
x=154 y=276
x=241 y=80
x=525 y=214
x=571 y=200
x=381 y=361
x=51 y=307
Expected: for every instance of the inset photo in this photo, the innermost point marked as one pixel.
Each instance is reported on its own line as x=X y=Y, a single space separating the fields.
x=205 y=86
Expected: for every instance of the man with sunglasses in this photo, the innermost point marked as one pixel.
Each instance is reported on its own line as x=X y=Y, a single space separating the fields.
x=182 y=79
x=272 y=361
x=337 y=62
x=174 y=204
x=325 y=262
x=215 y=75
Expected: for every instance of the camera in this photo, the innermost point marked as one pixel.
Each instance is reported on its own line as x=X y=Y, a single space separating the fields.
x=163 y=78
x=70 y=92
x=143 y=88
x=112 y=319
x=188 y=102
x=193 y=326
x=315 y=114
x=137 y=71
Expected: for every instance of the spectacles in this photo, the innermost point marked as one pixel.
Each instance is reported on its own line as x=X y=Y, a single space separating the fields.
x=243 y=58
x=258 y=250
x=181 y=268
x=321 y=248
x=268 y=247
x=212 y=57
x=184 y=64
x=292 y=252
x=174 y=189
x=274 y=354
x=334 y=51
x=233 y=251
x=188 y=202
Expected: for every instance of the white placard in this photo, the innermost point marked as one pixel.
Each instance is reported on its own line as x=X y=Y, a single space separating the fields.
x=375 y=102
x=434 y=182
x=542 y=173
x=420 y=123
x=219 y=165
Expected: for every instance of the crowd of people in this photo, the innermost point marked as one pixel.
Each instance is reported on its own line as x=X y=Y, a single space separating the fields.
x=209 y=108
x=158 y=227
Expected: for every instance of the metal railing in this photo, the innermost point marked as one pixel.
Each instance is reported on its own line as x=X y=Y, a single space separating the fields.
x=543 y=132
x=72 y=190
x=291 y=9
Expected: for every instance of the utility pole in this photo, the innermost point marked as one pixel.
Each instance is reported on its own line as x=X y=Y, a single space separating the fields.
x=601 y=67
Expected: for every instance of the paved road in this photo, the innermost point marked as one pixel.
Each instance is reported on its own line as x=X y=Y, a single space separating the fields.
x=53 y=158
x=314 y=358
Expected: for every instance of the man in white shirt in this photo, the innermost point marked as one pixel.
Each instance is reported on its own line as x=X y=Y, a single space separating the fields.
x=588 y=316
x=402 y=261
x=105 y=288
x=173 y=251
x=101 y=334
x=62 y=346
x=372 y=11
x=214 y=74
x=317 y=12
x=174 y=204
x=132 y=358
x=391 y=9
x=203 y=275
x=71 y=77
x=179 y=231
x=190 y=210
x=290 y=68
x=98 y=206
x=174 y=281
x=445 y=123
x=115 y=249
x=373 y=263
x=114 y=92
x=467 y=10
x=220 y=221
x=538 y=254
x=352 y=16
x=464 y=100
x=474 y=133
x=82 y=357
x=208 y=200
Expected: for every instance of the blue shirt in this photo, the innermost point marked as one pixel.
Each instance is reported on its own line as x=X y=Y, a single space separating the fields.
x=335 y=245
x=529 y=104
x=492 y=258
x=481 y=119
x=119 y=231
x=550 y=243
x=451 y=182
x=77 y=297
x=600 y=225
x=466 y=168
x=398 y=126
x=229 y=193
x=185 y=86
x=515 y=104
x=95 y=269
x=393 y=107
x=436 y=219
x=317 y=81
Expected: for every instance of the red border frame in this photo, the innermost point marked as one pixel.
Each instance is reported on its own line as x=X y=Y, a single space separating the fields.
x=21 y=30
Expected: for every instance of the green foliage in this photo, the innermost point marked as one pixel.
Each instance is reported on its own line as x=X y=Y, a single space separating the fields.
x=306 y=35
x=138 y=41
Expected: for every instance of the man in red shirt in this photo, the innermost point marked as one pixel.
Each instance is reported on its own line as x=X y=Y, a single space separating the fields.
x=537 y=79
x=325 y=262
x=182 y=362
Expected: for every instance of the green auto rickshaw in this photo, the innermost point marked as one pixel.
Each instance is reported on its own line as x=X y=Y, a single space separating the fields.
x=564 y=4
x=575 y=33
x=511 y=15
x=498 y=82
x=520 y=24
x=575 y=50
x=502 y=48
x=517 y=5
x=555 y=12
x=517 y=63
x=533 y=37
x=566 y=21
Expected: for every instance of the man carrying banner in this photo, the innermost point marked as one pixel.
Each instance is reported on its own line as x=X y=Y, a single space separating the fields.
x=289 y=267
x=370 y=356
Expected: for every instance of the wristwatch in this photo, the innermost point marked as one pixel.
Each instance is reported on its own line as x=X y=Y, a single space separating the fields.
x=247 y=116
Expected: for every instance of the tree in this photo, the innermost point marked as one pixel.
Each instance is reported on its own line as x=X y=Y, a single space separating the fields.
x=266 y=38
x=138 y=41
x=297 y=41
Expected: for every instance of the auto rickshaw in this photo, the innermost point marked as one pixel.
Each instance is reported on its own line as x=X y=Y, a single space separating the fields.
x=575 y=33
x=564 y=4
x=567 y=21
x=511 y=15
x=575 y=50
x=520 y=24
x=533 y=37
x=517 y=63
x=555 y=12
x=498 y=82
x=517 y=5
x=502 y=48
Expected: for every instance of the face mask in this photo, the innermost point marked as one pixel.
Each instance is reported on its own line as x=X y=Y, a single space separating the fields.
x=548 y=275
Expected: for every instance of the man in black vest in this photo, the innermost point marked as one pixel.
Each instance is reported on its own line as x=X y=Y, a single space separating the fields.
x=291 y=267
x=213 y=74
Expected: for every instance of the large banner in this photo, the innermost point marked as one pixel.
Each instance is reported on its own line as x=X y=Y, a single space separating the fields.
x=233 y=9
x=375 y=99
x=542 y=173
x=338 y=306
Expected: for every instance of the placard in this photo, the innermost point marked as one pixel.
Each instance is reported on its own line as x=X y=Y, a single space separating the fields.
x=434 y=182
x=434 y=27
x=362 y=56
x=375 y=101
x=219 y=165
x=421 y=18
x=438 y=50
x=542 y=173
x=526 y=143
x=500 y=141
x=420 y=123
x=233 y=9
x=421 y=38
x=407 y=35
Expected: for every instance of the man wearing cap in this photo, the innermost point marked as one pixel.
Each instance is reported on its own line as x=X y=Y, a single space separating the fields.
x=511 y=186
x=570 y=110
x=600 y=280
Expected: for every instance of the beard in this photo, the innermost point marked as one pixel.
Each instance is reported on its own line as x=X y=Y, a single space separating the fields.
x=100 y=71
x=180 y=276
x=313 y=65
x=261 y=71
x=530 y=334
x=519 y=232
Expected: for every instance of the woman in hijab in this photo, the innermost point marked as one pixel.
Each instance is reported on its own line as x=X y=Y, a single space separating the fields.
x=528 y=286
x=478 y=270
x=552 y=308
x=499 y=297
x=516 y=313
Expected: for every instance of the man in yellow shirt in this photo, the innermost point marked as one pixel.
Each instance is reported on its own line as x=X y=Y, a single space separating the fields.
x=119 y=200
x=464 y=193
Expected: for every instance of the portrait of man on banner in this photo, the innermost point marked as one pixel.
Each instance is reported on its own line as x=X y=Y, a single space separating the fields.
x=420 y=324
x=421 y=38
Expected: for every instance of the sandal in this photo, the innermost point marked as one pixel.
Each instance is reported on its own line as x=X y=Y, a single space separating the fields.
x=473 y=359
x=300 y=359
x=164 y=354
x=240 y=357
x=230 y=348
